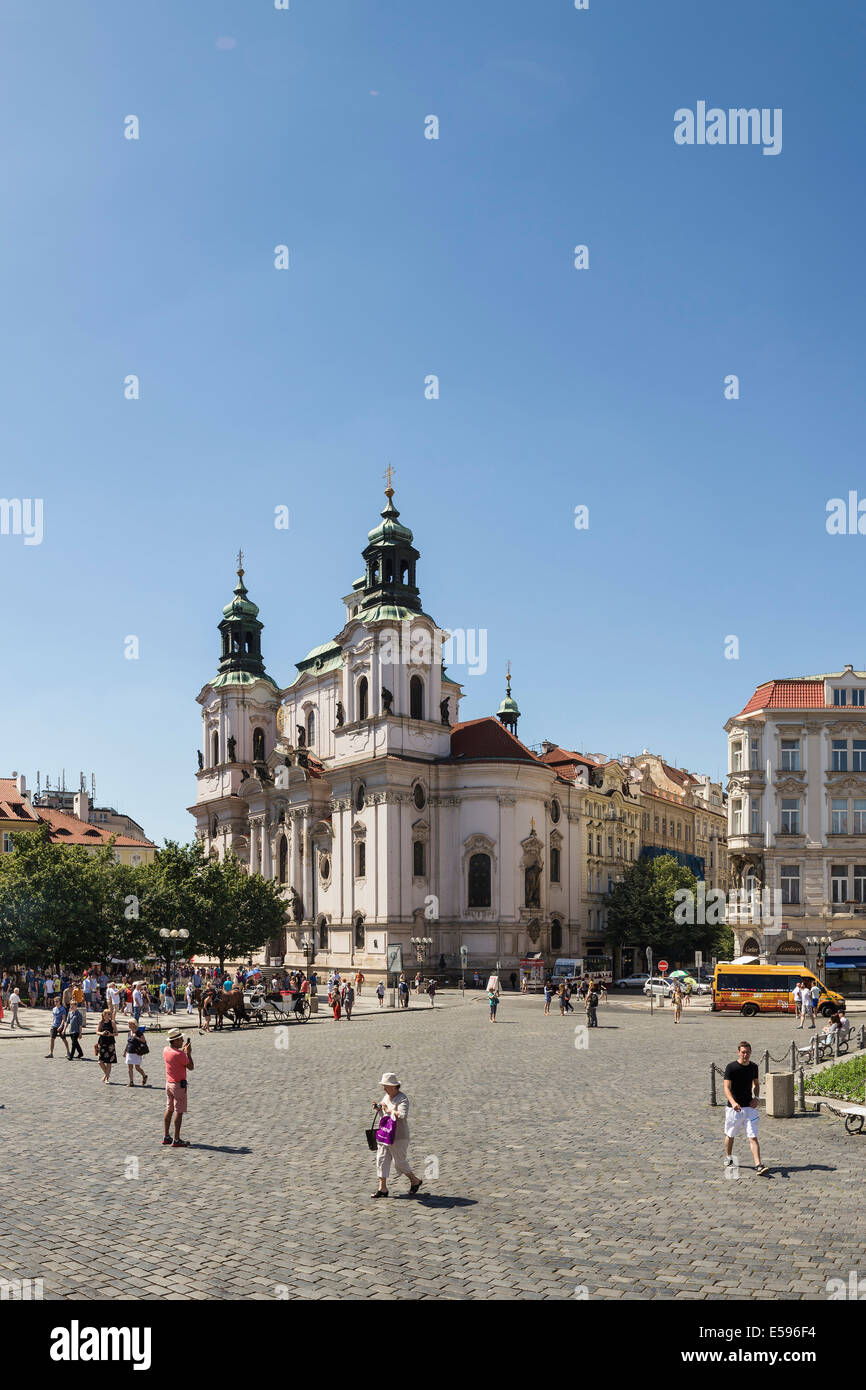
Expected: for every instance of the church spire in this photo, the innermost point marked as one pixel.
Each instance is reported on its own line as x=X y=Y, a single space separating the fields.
x=508 y=713
x=390 y=559
x=241 y=631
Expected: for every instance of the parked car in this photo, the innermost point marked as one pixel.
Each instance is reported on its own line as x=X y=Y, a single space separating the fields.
x=631 y=982
x=699 y=987
x=658 y=986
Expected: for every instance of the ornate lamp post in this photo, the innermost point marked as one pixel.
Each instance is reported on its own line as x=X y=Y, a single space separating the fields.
x=176 y=934
x=422 y=946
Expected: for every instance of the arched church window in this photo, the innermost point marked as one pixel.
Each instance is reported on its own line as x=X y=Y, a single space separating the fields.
x=359 y=797
x=362 y=698
x=556 y=935
x=416 y=698
x=283 y=859
x=225 y=644
x=479 y=880
x=311 y=728
x=418 y=796
x=359 y=934
x=554 y=866
x=419 y=864
x=258 y=745
x=215 y=749
x=360 y=859
x=388 y=571
x=323 y=934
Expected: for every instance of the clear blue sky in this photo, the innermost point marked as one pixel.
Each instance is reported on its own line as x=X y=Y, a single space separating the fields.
x=409 y=256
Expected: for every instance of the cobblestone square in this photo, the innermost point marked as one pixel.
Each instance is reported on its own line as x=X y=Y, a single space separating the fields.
x=563 y=1172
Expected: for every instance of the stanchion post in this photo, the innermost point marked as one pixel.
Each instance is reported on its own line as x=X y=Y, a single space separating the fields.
x=793 y=1056
x=801 y=1089
x=767 y=1063
x=713 y=1100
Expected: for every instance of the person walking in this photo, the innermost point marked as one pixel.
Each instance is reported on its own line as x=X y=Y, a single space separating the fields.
x=49 y=991
x=188 y=992
x=359 y=980
x=816 y=999
x=561 y=993
x=687 y=991
x=403 y=988
x=14 y=1002
x=58 y=1028
x=513 y=978
x=590 y=1004
x=548 y=995
x=336 y=1002
x=177 y=1056
x=677 y=1001
x=73 y=1029
x=380 y=994
x=417 y=981
x=105 y=1049
x=797 y=996
x=431 y=990
x=348 y=1000
x=136 y=1050
x=393 y=1106
x=88 y=990
x=808 y=1010
x=137 y=1002
x=170 y=1002
x=112 y=999
x=493 y=1001
x=742 y=1085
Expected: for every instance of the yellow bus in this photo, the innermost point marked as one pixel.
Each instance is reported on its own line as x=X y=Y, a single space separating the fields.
x=766 y=989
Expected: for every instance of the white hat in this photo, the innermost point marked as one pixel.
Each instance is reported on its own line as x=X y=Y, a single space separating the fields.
x=389 y=1079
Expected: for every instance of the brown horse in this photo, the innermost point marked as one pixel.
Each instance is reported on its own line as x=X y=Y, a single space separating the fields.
x=216 y=1003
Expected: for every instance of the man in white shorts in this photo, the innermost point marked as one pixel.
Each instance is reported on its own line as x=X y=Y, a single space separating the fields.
x=742 y=1087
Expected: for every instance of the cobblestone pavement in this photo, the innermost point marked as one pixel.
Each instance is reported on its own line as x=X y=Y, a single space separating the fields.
x=561 y=1168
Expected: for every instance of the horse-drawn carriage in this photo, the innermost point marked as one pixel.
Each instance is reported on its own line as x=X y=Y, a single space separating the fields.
x=282 y=1005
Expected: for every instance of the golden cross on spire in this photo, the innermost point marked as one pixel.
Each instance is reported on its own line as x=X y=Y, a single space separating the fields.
x=389 y=476
x=240 y=563
x=508 y=675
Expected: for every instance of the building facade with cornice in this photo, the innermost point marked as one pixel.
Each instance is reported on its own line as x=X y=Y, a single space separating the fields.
x=386 y=819
x=797 y=822
x=683 y=814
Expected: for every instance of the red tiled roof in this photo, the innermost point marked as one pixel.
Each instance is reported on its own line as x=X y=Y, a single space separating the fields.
x=559 y=757
x=13 y=807
x=676 y=774
x=69 y=830
x=787 y=694
x=488 y=738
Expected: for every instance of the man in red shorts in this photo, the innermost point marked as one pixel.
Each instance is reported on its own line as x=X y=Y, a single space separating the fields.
x=178 y=1061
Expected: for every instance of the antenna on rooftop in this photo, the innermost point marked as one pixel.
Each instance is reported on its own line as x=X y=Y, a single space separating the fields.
x=93 y=786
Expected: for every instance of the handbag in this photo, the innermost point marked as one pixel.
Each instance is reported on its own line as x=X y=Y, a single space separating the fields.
x=385 y=1132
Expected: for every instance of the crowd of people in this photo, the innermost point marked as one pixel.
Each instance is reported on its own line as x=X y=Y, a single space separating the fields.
x=589 y=993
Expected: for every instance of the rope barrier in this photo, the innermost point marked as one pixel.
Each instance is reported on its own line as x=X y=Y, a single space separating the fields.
x=794 y=1059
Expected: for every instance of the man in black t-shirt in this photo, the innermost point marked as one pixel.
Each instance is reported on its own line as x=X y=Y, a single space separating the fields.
x=742 y=1086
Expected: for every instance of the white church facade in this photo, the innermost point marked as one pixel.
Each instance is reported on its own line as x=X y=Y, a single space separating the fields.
x=385 y=817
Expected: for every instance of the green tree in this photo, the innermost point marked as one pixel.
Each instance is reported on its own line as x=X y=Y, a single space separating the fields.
x=240 y=912
x=226 y=911
x=642 y=910
x=59 y=904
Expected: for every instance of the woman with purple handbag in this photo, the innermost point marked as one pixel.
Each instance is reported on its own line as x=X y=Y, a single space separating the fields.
x=392 y=1136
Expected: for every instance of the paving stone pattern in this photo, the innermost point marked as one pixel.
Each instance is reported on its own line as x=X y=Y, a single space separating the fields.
x=561 y=1169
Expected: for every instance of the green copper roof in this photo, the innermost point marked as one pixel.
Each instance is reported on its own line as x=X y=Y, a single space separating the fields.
x=508 y=706
x=241 y=605
x=240 y=678
x=391 y=529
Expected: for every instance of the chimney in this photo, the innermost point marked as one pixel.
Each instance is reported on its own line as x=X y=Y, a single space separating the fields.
x=547 y=746
x=22 y=786
x=81 y=806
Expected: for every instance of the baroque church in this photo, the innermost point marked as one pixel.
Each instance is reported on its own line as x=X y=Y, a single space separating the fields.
x=387 y=819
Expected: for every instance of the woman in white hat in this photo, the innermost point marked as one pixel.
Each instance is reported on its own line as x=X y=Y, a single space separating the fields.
x=396 y=1105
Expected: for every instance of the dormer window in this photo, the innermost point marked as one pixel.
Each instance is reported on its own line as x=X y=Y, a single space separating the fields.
x=840 y=696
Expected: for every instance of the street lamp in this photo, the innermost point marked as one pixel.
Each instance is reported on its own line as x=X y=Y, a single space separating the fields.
x=307 y=948
x=422 y=945
x=175 y=934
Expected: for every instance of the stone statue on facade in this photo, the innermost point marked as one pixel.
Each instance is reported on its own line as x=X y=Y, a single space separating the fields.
x=232 y=745
x=443 y=712
x=387 y=700
x=341 y=714
x=302 y=735
x=200 y=761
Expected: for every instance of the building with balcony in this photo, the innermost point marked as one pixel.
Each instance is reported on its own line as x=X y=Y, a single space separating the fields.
x=797 y=823
x=682 y=814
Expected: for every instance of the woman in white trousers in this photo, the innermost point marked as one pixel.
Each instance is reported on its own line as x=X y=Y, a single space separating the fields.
x=395 y=1104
